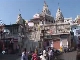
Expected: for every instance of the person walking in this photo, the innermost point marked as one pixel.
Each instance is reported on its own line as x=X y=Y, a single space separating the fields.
x=44 y=55
x=24 y=55
x=50 y=54
x=35 y=55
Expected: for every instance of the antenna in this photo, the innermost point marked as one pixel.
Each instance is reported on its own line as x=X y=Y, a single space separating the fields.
x=58 y=5
x=19 y=11
x=44 y=1
x=38 y=10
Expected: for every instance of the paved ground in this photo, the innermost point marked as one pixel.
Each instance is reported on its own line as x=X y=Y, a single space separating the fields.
x=9 y=56
x=68 y=56
x=64 y=56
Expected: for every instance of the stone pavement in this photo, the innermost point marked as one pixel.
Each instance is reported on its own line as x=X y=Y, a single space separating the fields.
x=64 y=56
x=9 y=56
x=19 y=58
x=68 y=56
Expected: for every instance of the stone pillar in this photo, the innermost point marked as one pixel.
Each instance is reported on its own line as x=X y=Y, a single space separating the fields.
x=69 y=40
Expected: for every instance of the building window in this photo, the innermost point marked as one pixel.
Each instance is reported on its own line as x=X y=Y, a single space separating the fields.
x=59 y=18
x=67 y=20
x=58 y=30
x=52 y=21
x=49 y=20
x=46 y=19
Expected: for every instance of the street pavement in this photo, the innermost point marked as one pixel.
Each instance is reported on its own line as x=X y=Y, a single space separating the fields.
x=64 y=56
x=9 y=56
x=68 y=56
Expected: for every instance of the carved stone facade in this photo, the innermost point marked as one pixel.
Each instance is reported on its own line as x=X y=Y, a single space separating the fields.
x=77 y=19
x=59 y=16
x=56 y=28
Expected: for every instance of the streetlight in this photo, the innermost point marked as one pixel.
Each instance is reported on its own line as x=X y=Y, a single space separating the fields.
x=43 y=31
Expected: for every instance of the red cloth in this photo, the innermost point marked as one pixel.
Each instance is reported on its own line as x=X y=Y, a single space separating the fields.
x=34 y=56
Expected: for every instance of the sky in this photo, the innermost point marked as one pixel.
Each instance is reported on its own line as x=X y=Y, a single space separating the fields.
x=9 y=9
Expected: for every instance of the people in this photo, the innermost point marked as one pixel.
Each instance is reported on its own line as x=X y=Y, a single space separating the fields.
x=44 y=55
x=24 y=55
x=50 y=54
x=35 y=55
x=29 y=55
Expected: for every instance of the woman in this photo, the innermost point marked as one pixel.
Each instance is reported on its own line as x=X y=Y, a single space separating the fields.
x=35 y=56
x=24 y=55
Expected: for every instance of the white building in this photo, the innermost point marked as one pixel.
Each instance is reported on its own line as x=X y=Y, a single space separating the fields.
x=68 y=20
x=58 y=29
x=76 y=30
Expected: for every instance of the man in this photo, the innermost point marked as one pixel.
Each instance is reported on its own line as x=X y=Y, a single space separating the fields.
x=50 y=53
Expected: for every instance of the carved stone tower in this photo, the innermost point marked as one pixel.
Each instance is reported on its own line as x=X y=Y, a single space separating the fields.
x=59 y=16
x=19 y=19
x=46 y=9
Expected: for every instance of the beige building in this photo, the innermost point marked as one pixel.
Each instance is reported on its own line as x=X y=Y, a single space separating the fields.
x=77 y=19
x=56 y=30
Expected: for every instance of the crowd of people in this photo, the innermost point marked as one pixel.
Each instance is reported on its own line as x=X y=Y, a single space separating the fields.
x=35 y=55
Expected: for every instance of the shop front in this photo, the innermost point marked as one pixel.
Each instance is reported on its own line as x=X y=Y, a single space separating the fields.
x=56 y=44
x=8 y=44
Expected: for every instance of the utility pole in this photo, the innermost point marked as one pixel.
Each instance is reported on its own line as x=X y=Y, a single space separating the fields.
x=43 y=31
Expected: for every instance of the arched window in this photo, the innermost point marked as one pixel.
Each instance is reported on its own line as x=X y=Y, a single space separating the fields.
x=52 y=21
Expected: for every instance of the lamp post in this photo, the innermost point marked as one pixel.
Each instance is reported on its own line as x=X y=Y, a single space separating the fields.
x=43 y=31
x=21 y=38
x=20 y=41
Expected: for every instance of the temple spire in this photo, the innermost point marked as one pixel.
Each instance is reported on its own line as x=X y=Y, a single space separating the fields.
x=19 y=19
x=59 y=15
x=46 y=9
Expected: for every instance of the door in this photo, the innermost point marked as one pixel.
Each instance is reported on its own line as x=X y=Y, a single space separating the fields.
x=65 y=43
x=56 y=44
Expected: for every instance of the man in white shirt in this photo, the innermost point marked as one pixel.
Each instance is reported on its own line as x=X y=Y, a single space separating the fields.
x=43 y=57
x=44 y=53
